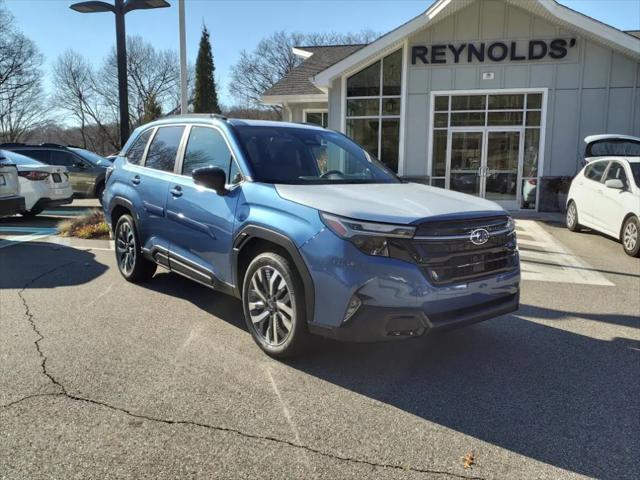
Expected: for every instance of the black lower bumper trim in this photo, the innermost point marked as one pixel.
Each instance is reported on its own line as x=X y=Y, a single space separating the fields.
x=44 y=203
x=372 y=324
x=11 y=206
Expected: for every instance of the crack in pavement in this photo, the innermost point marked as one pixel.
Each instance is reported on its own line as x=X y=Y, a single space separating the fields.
x=34 y=327
x=65 y=394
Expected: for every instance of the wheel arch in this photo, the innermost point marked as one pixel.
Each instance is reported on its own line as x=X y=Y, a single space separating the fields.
x=121 y=206
x=254 y=239
x=624 y=220
x=100 y=180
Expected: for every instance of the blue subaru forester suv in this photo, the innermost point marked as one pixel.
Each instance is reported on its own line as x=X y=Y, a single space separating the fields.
x=312 y=233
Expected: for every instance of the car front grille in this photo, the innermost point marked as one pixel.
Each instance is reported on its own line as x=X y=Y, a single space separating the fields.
x=446 y=254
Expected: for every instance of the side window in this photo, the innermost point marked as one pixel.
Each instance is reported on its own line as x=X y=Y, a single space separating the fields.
x=594 y=170
x=62 y=158
x=164 y=148
x=616 y=172
x=40 y=155
x=134 y=155
x=205 y=147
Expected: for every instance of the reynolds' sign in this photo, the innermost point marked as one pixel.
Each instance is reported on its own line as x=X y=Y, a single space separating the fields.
x=494 y=51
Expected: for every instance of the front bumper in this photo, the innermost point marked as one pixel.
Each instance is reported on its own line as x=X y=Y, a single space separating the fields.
x=372 y=324
x=397 y=299
x=11 y=205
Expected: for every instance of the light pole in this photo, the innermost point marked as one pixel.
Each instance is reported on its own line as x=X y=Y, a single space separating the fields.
x=184 y=101
x=120 y=9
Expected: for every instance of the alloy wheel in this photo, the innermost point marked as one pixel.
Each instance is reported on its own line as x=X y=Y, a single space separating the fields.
x=270 y=305
x=571 y=215
x=630 y=236
x=126 y=248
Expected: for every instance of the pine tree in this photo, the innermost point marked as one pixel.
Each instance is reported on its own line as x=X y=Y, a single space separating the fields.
x=152 y=109
x=205 y=98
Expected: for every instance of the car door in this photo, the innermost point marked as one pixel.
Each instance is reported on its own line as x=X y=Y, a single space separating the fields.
x=151 y=182
x=611 y=202
x=589 y=190
x=200 y=220
x=80 y=171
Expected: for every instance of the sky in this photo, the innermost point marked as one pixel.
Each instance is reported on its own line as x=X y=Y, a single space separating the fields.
x=240 y=24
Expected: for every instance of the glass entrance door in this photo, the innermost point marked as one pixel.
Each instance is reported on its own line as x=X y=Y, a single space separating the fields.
x=465 y=161
x=485 y=163
x=500 y=167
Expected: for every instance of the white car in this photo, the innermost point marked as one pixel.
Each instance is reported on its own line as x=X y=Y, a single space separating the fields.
x=605 y=196
x=42 y=186
x=11 y=203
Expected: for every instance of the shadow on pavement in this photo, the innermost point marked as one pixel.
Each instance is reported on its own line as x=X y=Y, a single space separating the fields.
x=46 y=265
x=558 y=397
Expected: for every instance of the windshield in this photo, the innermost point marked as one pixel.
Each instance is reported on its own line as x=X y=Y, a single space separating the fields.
x=308 y=156
x=635 y=169
x=91 y=157
x=19 y=159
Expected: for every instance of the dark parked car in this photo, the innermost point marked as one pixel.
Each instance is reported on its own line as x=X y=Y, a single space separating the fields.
x=86 y=169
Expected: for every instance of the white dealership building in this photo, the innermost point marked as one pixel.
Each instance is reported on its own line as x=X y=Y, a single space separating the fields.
x=489 y=97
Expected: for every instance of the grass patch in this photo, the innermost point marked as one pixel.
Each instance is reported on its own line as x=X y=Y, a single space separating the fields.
x=89 y=225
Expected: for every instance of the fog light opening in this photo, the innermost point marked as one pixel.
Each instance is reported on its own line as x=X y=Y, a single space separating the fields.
x=352 y=308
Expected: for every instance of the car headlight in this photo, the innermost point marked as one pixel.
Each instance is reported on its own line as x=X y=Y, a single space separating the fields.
x=369 y=237
x=511 y=225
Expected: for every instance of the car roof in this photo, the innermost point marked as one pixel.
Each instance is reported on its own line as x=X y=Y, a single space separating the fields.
x=234 y=122
x=608 y=158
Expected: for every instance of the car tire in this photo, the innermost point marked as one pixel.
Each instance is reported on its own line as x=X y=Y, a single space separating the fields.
x=571 y=217
x=131 y=263
x=630 y=237
x=31 y=213
x=274 y=307
x=100 y=192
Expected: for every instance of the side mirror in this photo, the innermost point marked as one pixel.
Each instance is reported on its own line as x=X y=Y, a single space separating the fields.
x=211 y=177
x=79 y=164
x=615 y=183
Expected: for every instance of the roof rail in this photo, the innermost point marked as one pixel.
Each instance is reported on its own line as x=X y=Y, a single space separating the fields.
x=11 y=144
x=201 y=115
x=51 y=145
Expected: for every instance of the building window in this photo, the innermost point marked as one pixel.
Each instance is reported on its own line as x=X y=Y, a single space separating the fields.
x=317 y=117
x=373 y=108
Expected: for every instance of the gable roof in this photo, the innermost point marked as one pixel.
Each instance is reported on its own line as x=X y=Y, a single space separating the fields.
x=297 y=81
x=586 y=26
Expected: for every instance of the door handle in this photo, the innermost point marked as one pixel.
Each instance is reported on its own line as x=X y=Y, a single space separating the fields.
x=136 y=180
x=176 y=191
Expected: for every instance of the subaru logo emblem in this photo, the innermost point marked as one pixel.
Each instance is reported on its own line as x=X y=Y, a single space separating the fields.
x=479 y=236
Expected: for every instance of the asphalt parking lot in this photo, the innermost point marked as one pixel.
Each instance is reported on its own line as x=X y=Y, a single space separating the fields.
x=103 y=379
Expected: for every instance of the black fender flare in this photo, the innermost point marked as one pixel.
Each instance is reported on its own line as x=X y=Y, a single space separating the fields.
x=119 y=201
x=249 y=232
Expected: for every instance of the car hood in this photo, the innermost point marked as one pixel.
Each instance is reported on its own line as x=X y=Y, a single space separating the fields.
x=387 y=202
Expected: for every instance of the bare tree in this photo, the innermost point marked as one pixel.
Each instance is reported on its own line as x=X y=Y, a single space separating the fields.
x=21 y=95
x=273 y=58
x=75 y=93
x=151 y=73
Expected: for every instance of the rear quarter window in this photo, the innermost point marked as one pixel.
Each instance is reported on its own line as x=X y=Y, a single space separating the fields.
x=134 y=155
x=594 y=170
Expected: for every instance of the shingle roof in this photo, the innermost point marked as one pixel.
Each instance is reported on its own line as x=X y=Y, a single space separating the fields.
x=635 y=33
x=297 y=81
